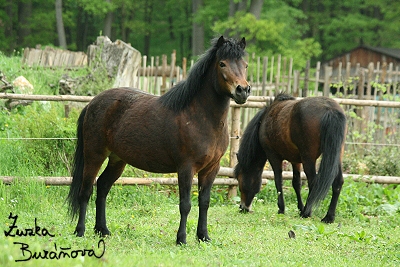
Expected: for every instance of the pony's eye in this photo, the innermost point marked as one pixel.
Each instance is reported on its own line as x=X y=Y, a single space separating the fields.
x=247 y=65
x=222 y=64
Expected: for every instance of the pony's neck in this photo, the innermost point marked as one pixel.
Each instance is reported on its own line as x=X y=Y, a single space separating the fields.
x=209 y=101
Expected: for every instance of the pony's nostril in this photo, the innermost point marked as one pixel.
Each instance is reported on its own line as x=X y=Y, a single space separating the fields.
x=239 y=89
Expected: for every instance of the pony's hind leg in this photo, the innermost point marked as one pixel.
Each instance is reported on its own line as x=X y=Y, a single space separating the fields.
x=112 y=172
x=309 y=169
x=276 y=165
x=296 y=183
x=336 y=188
x=90 y=171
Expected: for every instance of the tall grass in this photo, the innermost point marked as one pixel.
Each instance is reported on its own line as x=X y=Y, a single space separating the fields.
x=143 y=221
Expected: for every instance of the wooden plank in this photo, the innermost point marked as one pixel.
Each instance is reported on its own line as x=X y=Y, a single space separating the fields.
x=224 y=171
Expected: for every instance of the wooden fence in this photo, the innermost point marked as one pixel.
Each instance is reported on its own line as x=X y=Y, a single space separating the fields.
x=268 y=76
x=370 y=95
x=52 y=57
x=253 y=102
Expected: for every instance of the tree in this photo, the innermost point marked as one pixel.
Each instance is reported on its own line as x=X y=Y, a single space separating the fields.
x=108 y=21
x=24 y=16
x=60 y=25
x=197 y=29
x=148 y=18
x=242 y=7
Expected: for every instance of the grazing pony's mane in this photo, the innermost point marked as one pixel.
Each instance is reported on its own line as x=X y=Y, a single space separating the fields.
x=250 y=148
x=252 y=151
x=278 y=98
x=181 y=95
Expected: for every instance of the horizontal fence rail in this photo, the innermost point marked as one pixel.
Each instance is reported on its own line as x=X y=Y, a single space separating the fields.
x=253 y=101
x=224 y=171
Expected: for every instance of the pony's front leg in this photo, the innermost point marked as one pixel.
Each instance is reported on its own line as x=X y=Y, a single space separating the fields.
x=185 y=184
x=206 y=179
x=276 y=165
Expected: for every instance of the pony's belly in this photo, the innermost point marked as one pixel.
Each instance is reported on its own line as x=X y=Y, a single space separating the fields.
x=155 y=167
x=150 y=164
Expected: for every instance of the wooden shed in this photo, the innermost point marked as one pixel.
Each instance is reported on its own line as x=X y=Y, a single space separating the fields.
x=363 y=65
x=365 y=54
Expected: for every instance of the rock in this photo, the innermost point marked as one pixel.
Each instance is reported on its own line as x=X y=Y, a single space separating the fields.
x=22 y=86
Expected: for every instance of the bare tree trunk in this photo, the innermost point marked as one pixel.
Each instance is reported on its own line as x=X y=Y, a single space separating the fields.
x=236 y=6
x=9 y=26
x=256 y=7
x=108 y=22
x=197 y=31
x=60 y=25
x=148 y=19
x=24 y=15
x=233 y=7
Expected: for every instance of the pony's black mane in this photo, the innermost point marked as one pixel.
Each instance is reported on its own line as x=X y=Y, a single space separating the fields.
x=280 y=97
x=181 y=95
x=284 y=97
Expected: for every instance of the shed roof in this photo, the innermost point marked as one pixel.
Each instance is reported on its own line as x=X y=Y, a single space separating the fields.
x=393 y=52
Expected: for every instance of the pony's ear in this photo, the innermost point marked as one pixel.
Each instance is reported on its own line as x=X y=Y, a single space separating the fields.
x=221 y=41
x=242 y=43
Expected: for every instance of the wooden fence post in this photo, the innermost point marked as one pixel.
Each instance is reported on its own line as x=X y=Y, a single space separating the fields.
x=306 y=79
x=317 y=78
x=235 y=136
x=164 y=76
x=327 y=81
x=172 y=73
x=264 y=76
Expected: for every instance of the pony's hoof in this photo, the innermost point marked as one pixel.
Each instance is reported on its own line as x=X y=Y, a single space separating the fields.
x=181 y=239
x=180 y=242
x=203 y=239
x=101 y=231
x=79 y=231
x=281 y=212
x=328 y=219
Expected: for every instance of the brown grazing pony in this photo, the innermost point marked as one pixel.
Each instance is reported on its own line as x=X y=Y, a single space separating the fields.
x=183 y=131
x=298 y=131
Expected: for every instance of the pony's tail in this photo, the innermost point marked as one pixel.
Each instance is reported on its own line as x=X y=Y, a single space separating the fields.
x=77 y=170
x=333 y=130
x=250 y=152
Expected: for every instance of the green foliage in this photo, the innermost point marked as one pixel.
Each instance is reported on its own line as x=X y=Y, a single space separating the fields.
x=338 y=28
x=335 y=25
x=268 y=38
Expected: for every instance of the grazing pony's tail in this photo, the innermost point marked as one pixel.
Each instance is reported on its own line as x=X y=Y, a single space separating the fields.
x=77 y=171
x=251 y=156
x=333 y=131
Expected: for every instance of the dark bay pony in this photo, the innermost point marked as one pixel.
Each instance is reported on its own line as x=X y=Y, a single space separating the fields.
x=183 y=131
x=298 y=131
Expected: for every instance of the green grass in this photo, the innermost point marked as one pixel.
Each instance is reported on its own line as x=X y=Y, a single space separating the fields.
x=143 y=221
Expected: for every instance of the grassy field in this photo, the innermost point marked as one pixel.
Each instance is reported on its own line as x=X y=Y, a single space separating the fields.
x=144 y=219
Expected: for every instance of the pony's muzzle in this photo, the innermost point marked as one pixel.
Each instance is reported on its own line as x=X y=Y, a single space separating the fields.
x=242 y=93
x=244 y=209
